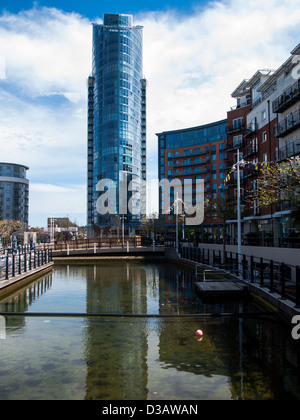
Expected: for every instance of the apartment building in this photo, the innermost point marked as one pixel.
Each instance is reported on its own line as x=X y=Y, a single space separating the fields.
x=264 y=127
x=116 y=120
x=14 y=192
x=191 y=154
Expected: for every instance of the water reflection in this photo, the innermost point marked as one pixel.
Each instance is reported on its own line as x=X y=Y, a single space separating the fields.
x=128 y=358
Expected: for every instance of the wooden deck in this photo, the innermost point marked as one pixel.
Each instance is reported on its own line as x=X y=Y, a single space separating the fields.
x=221 y=287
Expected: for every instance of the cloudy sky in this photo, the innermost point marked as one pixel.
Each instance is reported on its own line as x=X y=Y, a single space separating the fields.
x=195 y=54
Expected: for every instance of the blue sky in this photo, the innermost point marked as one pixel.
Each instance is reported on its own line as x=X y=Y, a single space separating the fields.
x=92 y=9
x=195 y=54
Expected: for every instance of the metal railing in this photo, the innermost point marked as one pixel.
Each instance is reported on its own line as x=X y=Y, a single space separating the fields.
x=14 y=264
x=104 y=242
x=278 y=277
x=290 y=123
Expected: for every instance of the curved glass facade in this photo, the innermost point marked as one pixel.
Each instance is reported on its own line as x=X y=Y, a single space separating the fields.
x=14 y=192
x=116 y=110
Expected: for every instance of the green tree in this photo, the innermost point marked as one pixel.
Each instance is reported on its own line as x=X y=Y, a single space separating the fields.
x=278 y=183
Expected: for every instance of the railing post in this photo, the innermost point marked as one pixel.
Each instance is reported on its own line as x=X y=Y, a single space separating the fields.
x=19 y=263
x=261 y=271
x=25 y=262
x=13 y=265
x=6 y=268
x=244 y=267
x=297 y=287
x=271 y=276
x=252 y=269
x=282 y=278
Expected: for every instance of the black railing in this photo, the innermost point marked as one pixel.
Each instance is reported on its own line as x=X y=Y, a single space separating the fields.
x=290 y=123
x=260 y=239
x=14 y=264
x=287 y=98
x=277 y=277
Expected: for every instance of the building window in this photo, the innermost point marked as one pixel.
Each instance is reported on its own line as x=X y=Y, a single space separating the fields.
x=264 y=137
x=214 y=172
x=237 y=124
x=237 y=141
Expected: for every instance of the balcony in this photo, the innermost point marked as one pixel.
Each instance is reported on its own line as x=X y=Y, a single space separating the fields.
x=234 y=145
x=250 y=171
x=196 y=152
x=250 y=129
x=235 y=128
x=192 y=162
x=287 y=151
x=288 y=124
x=288 y=98
x=251 y=150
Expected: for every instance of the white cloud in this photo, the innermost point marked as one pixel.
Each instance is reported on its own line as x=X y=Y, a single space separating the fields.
x=192 y=64
x=50 y=189
x=47 y=200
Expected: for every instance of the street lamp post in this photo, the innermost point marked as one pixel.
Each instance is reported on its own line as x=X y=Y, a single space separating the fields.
x=176 y=211
x=236 y=167
x=123 y=229
x=239 y=204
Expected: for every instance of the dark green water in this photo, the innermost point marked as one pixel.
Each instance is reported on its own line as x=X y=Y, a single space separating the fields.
x=128 y=358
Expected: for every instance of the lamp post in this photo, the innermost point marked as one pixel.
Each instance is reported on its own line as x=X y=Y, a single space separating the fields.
x=239 y=204
x=176 y=214
x=123 y=229
x=236 y=167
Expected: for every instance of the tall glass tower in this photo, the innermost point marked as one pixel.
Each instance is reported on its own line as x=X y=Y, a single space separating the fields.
x=117 y=122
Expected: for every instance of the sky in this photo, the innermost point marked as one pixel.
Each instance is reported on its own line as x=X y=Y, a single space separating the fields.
x=195 y=54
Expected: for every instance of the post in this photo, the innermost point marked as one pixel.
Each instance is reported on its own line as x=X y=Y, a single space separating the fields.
x=239 y=206
x=282 y=278
x=176 y=215
x=127 y=246
x=244 y=267
x=94 y=248
x=297 y=287
x=68 y=249
x=252 y=269
x=261 y=272
x=6 y=268
x=271 y=276
x=13 y=265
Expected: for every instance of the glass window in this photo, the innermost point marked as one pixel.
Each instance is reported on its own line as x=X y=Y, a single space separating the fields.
x=237 y=123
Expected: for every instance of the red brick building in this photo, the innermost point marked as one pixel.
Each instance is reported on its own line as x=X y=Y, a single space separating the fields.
x=191 y=154
x=265 y=128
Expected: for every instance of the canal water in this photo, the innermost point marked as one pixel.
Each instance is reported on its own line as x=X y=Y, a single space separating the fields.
x=108 y=357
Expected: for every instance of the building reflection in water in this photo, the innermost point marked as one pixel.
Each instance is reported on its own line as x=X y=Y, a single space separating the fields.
x=127 y=358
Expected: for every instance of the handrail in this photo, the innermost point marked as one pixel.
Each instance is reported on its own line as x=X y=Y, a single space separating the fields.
x=15 y=264
x=279 y=277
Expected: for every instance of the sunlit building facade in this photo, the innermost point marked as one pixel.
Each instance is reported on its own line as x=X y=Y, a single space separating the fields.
x=196 y=153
